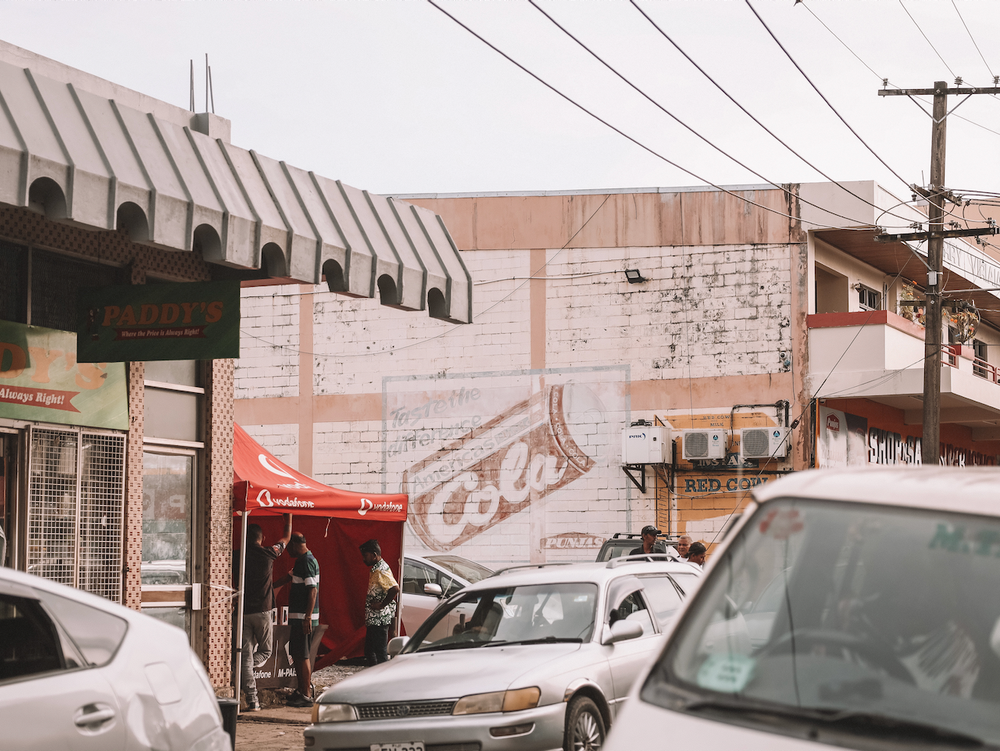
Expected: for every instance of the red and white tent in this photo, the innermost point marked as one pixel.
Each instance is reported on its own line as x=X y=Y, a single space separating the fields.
x=334 y=522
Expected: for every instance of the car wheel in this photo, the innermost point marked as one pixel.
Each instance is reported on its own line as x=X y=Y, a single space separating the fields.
x=584 y=726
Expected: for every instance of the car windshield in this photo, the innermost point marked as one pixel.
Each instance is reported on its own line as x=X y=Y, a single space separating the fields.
x=535 y=614
x=845 y=618
x=461 y=567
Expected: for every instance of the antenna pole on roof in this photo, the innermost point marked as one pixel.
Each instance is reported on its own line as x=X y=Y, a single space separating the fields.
x=206 y=82
x=211 y=92
x=192 y=84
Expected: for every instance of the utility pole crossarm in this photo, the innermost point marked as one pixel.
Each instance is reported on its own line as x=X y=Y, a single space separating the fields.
x=906 y=237
x=963 y=90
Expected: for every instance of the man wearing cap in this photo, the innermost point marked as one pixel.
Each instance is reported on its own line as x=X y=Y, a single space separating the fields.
x=380 y=603
x=649 y=542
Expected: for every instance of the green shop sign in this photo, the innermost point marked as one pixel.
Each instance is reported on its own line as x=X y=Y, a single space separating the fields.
x=132 y=323
x=41 y=380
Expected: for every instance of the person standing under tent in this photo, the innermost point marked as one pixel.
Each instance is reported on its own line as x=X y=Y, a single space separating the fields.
x=258 y=602
x=303 y=616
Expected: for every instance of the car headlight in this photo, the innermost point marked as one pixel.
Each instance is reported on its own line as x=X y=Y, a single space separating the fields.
x=334 y=713
x=498 y=701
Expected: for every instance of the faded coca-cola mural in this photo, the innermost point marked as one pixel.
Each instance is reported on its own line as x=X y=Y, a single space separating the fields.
x=514 y=461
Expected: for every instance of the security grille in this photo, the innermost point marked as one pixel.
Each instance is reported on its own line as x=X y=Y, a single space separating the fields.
x=102 y=493
x=75 y=509
x=404 y=709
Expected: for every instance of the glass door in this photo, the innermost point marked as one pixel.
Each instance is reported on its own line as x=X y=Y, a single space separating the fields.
x=169 y=484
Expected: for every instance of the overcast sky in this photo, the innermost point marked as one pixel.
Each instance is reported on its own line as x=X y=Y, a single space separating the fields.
x=395 y=97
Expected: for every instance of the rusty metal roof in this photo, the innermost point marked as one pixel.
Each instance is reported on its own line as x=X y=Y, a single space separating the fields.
x=103 y=163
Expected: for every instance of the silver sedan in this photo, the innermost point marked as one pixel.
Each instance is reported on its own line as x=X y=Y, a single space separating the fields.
x=540 y=657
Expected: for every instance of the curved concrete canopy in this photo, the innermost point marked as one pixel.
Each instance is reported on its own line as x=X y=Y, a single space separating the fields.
x=178 y=183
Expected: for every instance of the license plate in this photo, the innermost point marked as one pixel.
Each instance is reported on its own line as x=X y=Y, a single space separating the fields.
x=404 y=746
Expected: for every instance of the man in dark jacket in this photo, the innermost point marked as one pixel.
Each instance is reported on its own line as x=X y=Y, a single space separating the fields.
x=649 y=542
x=258 y=602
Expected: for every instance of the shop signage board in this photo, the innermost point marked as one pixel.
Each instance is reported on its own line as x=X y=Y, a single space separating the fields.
x=132 y=323
x=845 y=439
x=41 y=380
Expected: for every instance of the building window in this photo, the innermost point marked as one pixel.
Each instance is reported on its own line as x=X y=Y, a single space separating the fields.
x=76 y=496
x=869 y=299
x=979 y=365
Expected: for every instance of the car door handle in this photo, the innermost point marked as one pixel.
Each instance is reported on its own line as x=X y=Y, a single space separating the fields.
x=96 y=717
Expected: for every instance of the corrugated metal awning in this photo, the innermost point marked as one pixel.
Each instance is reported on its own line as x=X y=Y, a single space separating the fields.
x=91 y=160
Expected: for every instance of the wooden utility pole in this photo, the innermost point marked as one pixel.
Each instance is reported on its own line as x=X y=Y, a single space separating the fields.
x=930 y=444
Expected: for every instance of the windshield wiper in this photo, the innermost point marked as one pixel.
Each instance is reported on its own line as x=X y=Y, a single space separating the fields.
x=857 y=723
x=541 y=640
x=453 y=645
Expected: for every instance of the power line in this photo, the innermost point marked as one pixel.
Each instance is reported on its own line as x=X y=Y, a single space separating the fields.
x=617 y=130
x=885 y=81
x=927 y=39
x=747 y=112
x=822 y=96
x=967 y=31
x=683 y=124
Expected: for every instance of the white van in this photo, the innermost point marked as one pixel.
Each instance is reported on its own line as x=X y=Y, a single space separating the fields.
x=853 y=608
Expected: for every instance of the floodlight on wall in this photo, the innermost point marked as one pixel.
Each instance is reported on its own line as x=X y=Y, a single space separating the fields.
x=634 y=277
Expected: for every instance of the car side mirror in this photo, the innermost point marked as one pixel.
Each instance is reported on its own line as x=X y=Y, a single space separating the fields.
x=433 y=589
x=621 y=631
x=396 y=645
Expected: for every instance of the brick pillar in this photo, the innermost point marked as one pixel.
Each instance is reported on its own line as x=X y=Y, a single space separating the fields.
x=132 y=526
x=217 y=521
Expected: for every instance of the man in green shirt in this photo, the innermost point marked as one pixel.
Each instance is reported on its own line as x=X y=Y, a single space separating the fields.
x=303 y=615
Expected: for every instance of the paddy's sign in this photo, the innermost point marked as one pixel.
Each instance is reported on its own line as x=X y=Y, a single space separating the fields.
x=192 y=321
x=41 y=380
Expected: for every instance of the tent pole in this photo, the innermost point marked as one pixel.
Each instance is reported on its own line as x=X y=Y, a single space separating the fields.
x=238 y=672
x=402 y=562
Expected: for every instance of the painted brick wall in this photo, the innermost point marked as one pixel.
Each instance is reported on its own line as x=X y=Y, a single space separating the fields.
x=705 y=312
x=269 y=337
x=357 y=341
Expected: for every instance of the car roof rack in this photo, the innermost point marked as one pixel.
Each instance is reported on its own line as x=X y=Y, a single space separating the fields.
x=643 y=558
x=527 y=566
x=636 y=535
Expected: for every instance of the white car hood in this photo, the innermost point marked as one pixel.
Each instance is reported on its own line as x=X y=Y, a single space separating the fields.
x=631 y=731
x=446 y=674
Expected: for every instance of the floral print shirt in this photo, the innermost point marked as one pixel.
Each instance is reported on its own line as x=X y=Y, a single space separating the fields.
x=380 y=581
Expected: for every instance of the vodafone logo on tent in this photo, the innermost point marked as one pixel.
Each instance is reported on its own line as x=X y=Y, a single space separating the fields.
x=387 y=506
x=264 y=500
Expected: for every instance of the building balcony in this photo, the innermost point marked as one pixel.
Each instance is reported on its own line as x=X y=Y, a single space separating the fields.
x=878 y=355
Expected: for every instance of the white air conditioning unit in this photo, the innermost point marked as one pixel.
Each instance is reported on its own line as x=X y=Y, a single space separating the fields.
x=647 y=444
x=704 y=444
x=763 y=443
